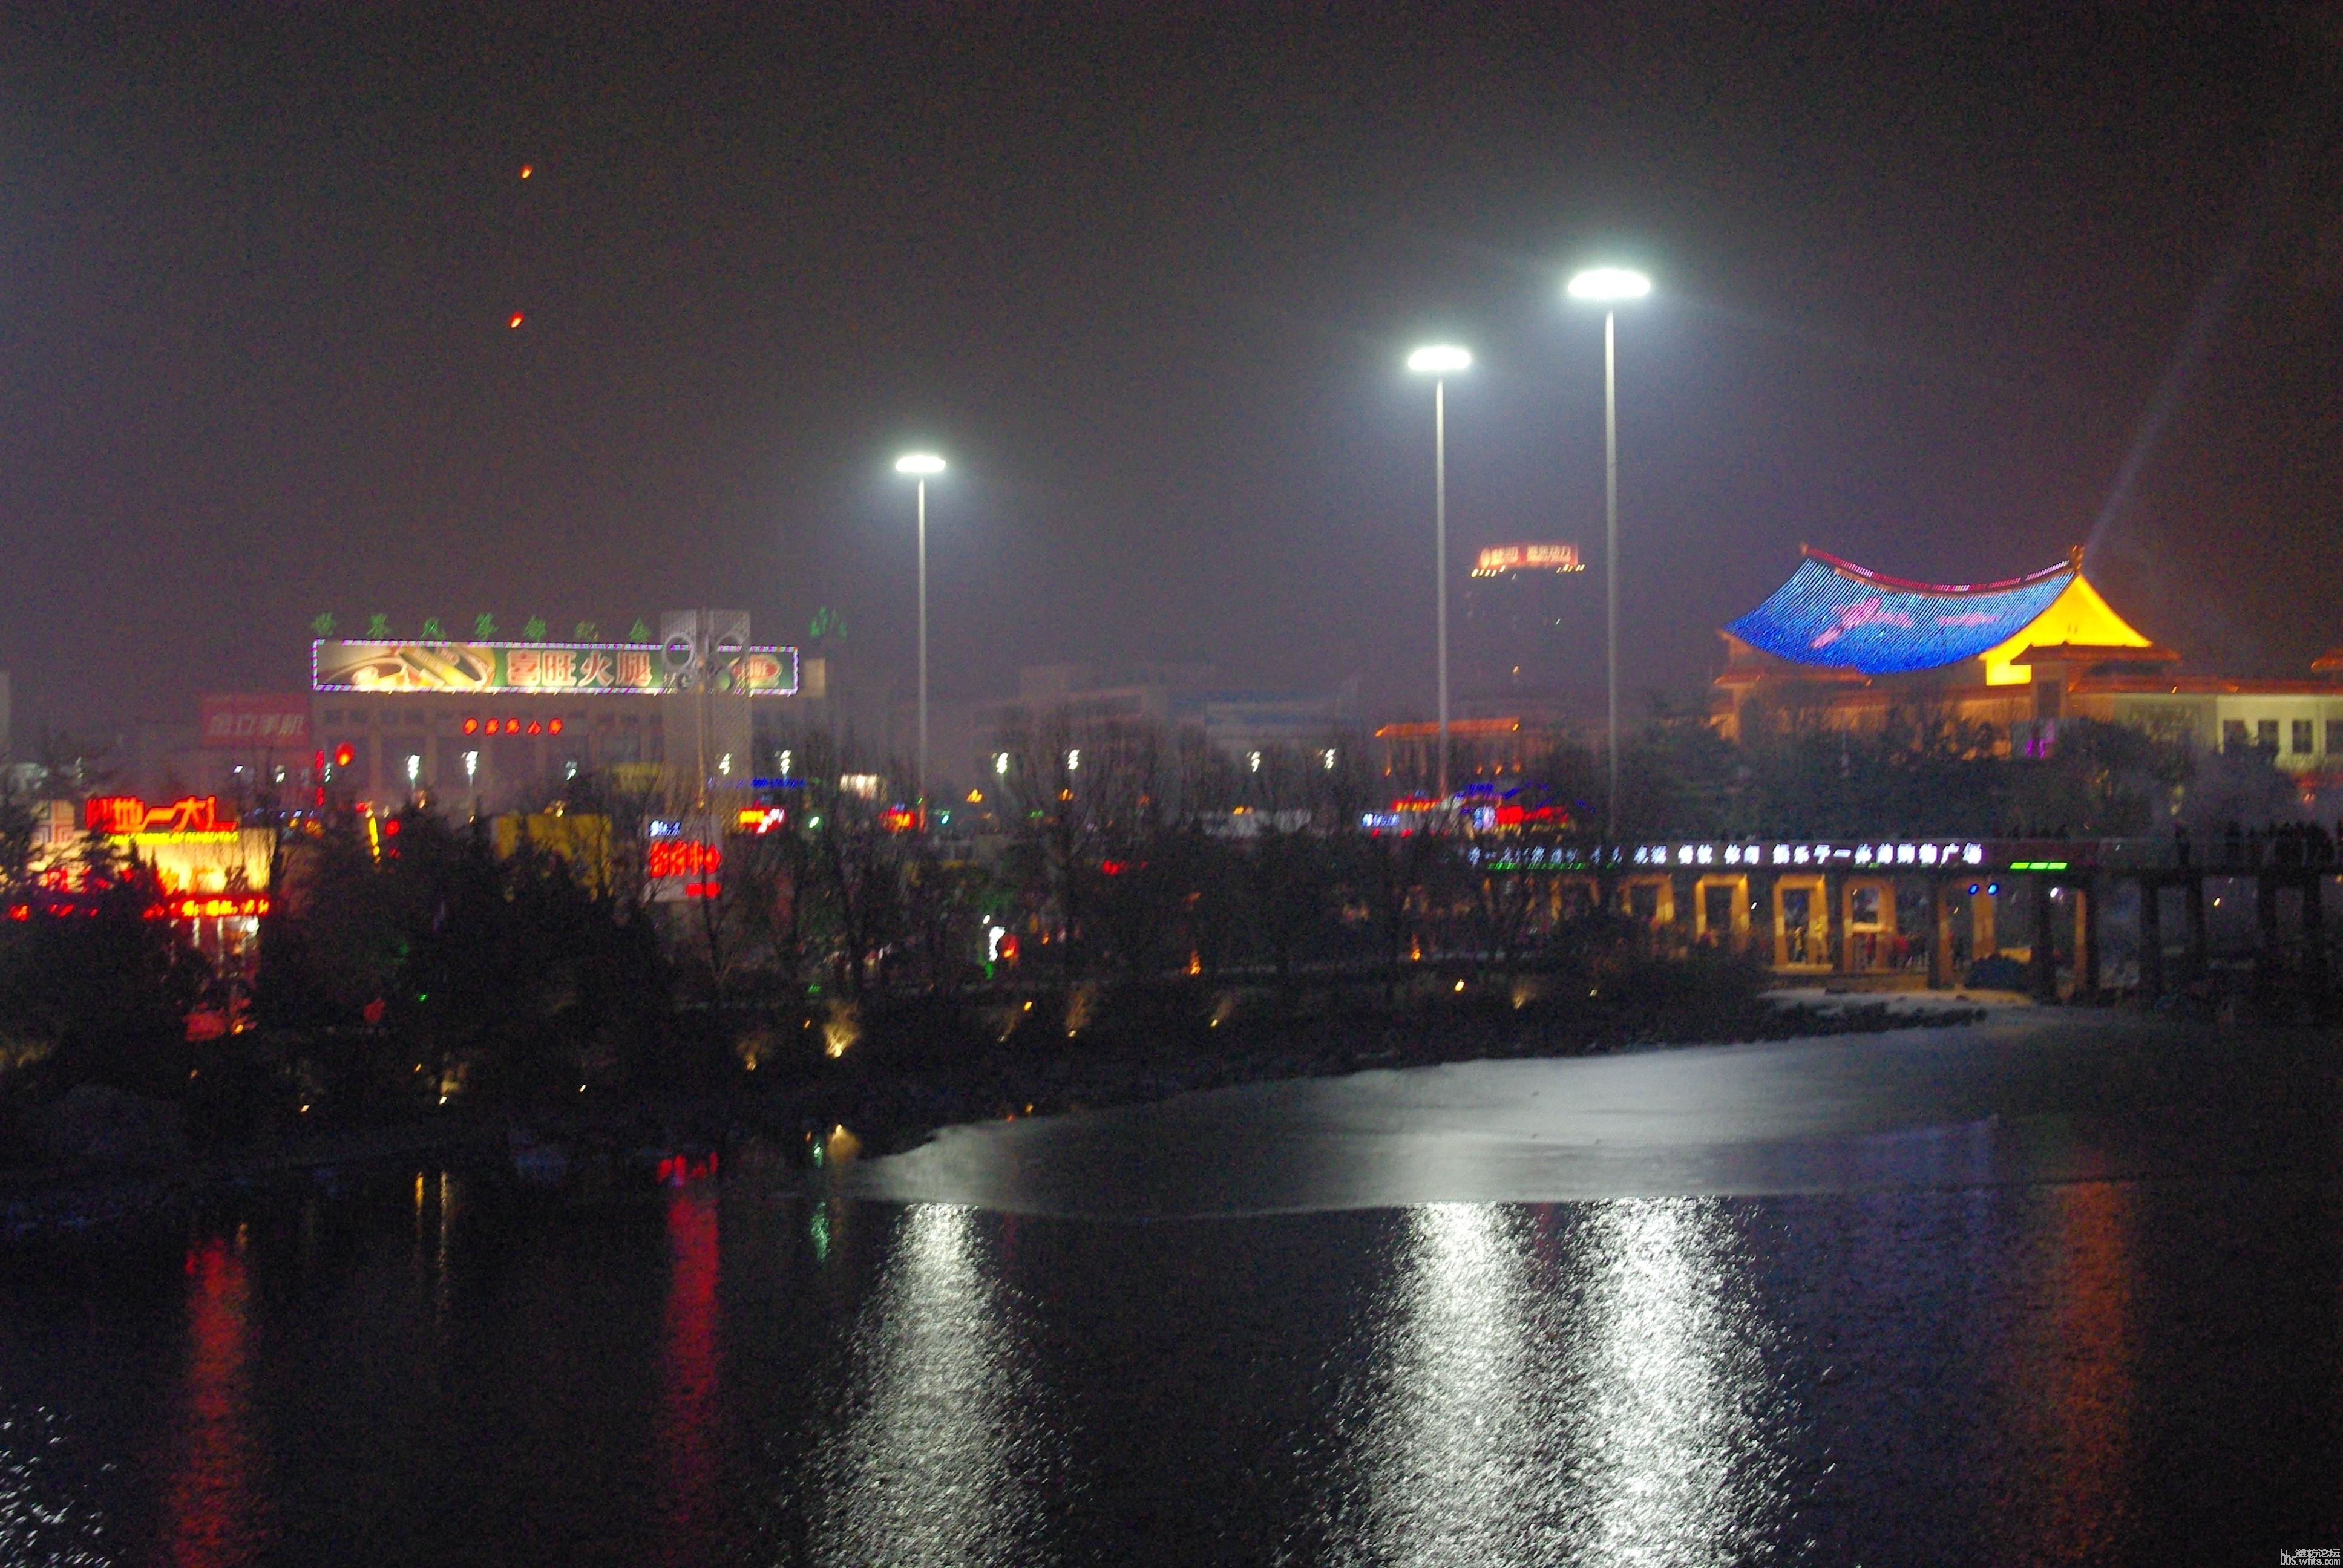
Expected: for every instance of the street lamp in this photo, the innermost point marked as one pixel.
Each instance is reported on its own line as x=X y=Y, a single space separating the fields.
x=919 y=465
x=1607 y=286
x=1440 y=361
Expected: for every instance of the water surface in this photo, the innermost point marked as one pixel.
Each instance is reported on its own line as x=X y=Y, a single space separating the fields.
x=2032 y=1335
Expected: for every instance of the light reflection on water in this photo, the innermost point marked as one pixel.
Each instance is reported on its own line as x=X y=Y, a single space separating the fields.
x=1682 y=1429
x=688 y=1369
x=944 y=1432
x=2079 y=1352
x=1591 y=1386
x=46 y=1521
x=1631 y=1380
x=216 y=1511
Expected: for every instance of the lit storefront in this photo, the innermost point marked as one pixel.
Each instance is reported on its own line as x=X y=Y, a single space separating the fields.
x=213 y=873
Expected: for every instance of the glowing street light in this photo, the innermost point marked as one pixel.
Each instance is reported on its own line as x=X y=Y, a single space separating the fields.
x=1440 y=361
x=1607 y=286
x=920 y=466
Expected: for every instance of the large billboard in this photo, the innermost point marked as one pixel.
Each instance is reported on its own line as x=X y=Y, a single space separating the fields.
x=542 y=668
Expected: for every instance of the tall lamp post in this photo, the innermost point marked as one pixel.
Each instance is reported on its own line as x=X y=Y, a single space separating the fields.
x=1440 y=361
x=919 y=465
x=1606 y=286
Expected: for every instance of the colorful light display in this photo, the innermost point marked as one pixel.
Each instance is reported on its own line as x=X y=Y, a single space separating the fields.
x=1836 y=614
x=530 y=668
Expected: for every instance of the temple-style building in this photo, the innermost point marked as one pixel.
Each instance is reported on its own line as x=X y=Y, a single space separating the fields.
x=1841 y=644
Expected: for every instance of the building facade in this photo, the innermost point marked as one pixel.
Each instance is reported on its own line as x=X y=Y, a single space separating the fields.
x=500 y=727
x=1842 y=645
x=1515 y=605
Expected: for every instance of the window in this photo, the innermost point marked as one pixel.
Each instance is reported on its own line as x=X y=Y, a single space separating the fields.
x=2266 y=734
x=2233 y=735
x=2302 y=737
x=2335 y=738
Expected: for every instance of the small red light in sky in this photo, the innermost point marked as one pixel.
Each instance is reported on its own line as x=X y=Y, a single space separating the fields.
x=527 y=170
x=517 y=320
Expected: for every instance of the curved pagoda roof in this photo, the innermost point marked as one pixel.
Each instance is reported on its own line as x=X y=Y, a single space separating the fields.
x=1836 y=614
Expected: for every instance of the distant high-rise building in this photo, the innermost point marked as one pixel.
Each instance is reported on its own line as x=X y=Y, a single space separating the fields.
x=1515 y=607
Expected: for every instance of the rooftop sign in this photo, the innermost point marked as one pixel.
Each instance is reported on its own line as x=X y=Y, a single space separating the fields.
x=549 y=668
x=1543 y=557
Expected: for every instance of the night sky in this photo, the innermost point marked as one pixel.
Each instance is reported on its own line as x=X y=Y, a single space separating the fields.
x=1941 y=294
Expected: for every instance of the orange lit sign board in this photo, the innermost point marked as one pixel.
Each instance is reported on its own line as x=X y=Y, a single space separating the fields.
x=1549 y=558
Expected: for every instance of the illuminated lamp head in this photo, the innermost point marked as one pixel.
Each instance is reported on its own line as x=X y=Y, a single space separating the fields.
x=1439 y=359
x=344 y=755
x=920 y=464
x=1609 y=285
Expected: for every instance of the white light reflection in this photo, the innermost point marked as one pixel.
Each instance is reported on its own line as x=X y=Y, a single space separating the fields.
x=1680 y=1465
x=1572 y=1384
x=938 y=1449
x=1444 y=1478
x=46 y=1518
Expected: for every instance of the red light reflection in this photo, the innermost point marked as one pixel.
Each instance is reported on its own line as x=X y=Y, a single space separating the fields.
x=214 y=1513
x=687 y=1372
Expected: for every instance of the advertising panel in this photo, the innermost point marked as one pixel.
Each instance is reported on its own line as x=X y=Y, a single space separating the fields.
x=1542 y=557
x=525 y=668
x=260 y=721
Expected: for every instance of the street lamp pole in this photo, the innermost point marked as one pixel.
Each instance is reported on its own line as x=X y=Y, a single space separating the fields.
x=1611 y=566
x=921 y=779
x=921 y=465
x=1607 y=286
x=1439 y=362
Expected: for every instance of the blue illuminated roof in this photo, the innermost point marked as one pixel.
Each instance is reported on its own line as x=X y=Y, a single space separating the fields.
x=1834 y=613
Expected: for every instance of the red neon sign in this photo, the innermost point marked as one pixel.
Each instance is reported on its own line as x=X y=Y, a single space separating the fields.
x=120 y=814
x=683 y=858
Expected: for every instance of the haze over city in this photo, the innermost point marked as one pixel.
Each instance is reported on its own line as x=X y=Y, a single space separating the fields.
x=899 y=786
x=1945 y=293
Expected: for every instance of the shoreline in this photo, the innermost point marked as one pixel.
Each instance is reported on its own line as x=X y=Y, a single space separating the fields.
x=890 y=1099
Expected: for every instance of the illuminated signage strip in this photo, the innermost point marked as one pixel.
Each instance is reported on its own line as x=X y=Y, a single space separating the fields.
x=531 y=668
x=1954 y=855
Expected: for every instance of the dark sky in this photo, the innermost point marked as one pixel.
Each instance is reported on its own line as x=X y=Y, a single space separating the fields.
x=1925 y=282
